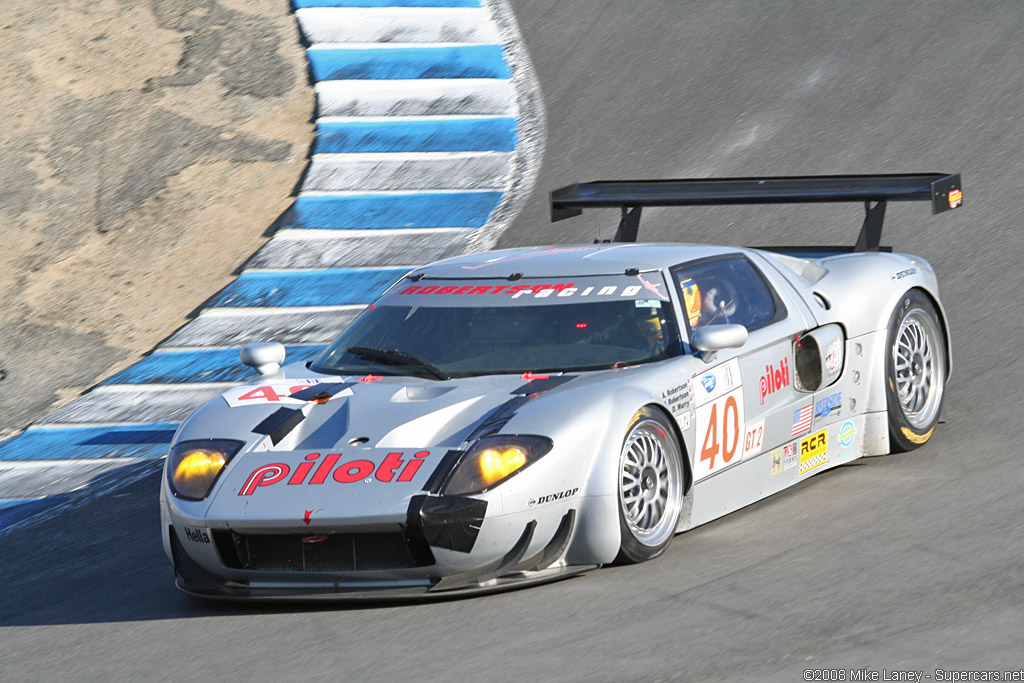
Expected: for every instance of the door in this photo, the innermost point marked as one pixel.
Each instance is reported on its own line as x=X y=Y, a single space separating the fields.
x=746 y=402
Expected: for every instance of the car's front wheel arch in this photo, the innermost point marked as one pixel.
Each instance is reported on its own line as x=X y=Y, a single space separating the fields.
x=651 y=475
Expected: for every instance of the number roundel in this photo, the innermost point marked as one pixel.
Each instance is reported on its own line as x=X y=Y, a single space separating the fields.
x=721 y=429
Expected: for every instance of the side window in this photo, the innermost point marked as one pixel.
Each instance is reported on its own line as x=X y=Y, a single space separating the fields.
x=726 y=290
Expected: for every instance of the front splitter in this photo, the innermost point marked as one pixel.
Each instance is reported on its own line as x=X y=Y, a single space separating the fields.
x=239 y=592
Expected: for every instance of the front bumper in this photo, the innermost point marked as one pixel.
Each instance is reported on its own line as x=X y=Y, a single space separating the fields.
x=445 y=548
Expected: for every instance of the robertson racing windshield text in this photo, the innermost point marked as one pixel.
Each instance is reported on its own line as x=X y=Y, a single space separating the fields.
x=465 y=328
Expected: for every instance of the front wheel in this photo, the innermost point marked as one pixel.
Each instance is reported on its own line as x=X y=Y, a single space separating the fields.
x=650 y=487
x=915 y=371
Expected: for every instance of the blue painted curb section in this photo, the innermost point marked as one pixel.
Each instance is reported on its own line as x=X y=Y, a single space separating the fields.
x=87 y=443
x=205 y=365
x=391 y=211
x=463 y=61
x=335 y=287
x=481 y=134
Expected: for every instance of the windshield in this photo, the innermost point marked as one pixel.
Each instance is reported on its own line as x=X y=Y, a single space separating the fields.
x=464 y=328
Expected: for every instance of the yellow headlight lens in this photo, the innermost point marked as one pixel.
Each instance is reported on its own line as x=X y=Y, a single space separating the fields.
x=196 y=470
x=496 y=465
x=491 y=460
x=199 y=464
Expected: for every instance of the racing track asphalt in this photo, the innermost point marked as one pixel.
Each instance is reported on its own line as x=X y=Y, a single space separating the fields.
x=902 y=562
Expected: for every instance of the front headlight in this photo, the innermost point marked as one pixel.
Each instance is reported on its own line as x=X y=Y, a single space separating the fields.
x=193 y=466
x=492 y=459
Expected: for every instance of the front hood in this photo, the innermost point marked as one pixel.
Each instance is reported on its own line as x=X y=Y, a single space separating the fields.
x=354 y=488
x=358 y=457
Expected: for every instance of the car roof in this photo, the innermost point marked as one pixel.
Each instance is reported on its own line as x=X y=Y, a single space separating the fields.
x=572 y=259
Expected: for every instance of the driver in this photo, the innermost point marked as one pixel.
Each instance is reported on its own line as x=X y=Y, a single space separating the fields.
x=713 y=301
x=718 y=302
x=691 y=301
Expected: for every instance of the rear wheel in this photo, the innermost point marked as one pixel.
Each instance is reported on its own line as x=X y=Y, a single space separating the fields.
x=916 y=368
x=650 y=487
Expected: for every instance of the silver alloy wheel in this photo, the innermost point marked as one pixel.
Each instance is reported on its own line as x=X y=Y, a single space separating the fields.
x=650 y=482
x=918 y=359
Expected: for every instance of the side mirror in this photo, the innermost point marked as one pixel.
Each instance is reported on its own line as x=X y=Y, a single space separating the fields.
x=711 y=339
x=265 y=357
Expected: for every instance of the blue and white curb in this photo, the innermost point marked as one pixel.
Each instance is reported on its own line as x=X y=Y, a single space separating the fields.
x=428 y=137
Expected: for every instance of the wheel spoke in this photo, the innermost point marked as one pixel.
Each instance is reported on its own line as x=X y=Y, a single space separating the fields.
x=656 y=508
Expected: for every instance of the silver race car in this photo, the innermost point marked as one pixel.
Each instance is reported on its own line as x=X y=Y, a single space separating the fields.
x=507 y=418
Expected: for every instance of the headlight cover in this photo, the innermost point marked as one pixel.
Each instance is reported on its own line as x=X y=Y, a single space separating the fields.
x=493 y=459
x=193 y=466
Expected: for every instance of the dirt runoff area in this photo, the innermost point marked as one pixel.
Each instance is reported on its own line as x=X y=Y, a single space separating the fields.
x=145 y=148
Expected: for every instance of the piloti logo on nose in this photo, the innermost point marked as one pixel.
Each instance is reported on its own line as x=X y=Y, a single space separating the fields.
x=774 y=379
x=346 y=473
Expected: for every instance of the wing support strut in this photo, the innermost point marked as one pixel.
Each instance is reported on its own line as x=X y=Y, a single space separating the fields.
x=870 y=237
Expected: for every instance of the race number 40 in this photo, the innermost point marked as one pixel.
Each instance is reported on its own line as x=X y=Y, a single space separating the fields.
x=720 y=434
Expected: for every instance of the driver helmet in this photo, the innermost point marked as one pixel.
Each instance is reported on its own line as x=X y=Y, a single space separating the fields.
x=648 y=320
x=691 y=301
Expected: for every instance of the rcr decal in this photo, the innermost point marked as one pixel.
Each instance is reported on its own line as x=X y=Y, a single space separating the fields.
x=813 y=451
x=392 y=468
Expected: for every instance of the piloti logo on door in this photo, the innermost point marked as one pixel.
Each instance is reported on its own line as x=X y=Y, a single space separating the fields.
x=774 y=379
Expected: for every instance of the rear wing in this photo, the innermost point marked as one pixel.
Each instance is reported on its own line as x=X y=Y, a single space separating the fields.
x=941 y=189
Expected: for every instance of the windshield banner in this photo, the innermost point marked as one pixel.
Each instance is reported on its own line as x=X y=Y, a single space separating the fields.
x=645 y=287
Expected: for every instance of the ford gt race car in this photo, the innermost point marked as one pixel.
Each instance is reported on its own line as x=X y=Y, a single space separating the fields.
x=507 y=418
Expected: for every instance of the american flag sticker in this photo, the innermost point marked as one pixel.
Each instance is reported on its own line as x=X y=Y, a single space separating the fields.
x=802 y=419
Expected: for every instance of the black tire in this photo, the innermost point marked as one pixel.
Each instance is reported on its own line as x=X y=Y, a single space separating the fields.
x=915 y=371
x=650 y=484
